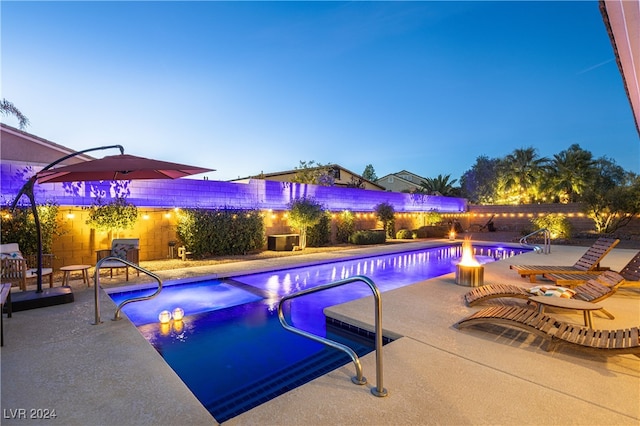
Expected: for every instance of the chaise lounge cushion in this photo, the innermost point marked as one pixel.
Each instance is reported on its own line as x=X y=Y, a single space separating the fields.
x=552 y=290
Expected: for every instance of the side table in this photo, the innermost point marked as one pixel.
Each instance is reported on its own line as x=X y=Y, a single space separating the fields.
x=563 y=303
x=71 y=268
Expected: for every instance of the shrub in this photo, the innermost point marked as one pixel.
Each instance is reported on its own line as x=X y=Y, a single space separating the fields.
x=439 y=231
x=219 y=232
x=432 y=218
x=404 y=234
x=18 y=226
x=368 y=237
x=319 y=235
x=558 y=225
x=345 y=226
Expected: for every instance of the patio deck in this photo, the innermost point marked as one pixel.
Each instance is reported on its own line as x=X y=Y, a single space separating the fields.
x=54 y=358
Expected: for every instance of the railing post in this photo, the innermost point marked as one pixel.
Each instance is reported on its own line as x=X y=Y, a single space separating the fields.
x=134 y=299
x=379 y=390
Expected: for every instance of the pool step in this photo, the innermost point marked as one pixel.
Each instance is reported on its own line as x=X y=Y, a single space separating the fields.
x=278 y=383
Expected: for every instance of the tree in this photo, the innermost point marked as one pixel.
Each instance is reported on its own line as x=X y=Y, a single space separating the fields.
x=386 y=215
x=572 y=171
x=520 y=176
x=304 y=213
x=7 y=108
x=479 y=184
x=610 y=205
x=439 y=185
x=369 y=173
x=314 y=173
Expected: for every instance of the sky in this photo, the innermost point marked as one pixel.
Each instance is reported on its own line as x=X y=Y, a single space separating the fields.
x=251 y=87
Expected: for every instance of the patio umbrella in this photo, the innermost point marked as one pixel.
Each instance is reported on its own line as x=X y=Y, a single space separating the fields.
x=114 y=167
x=119 y=167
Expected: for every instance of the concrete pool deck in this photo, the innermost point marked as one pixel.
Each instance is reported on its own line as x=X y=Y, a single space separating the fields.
x=55 y=359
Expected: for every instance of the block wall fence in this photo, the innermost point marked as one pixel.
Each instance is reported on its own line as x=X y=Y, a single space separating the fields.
x=158 y=201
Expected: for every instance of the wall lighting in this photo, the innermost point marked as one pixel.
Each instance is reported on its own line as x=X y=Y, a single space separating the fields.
x=164 y=317
x=167 y=215
x=145 y=216
x=178 y=314
x=70 y=215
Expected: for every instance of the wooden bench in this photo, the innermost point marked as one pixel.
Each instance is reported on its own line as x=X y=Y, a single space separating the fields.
x=5 y=299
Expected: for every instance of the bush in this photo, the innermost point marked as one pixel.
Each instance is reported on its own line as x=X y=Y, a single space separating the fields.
x=319 y=235
x=558 y=225
x=439 y=231
x=219 y=232
x=368 y=237
x=345 y=226
x=18 y=226
x=432 y=218
x=404 y=234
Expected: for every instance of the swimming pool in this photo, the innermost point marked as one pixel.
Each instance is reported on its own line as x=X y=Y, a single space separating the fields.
x=230 y=348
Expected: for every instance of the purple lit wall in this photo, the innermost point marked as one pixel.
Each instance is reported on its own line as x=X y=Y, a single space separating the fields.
x=186 y=193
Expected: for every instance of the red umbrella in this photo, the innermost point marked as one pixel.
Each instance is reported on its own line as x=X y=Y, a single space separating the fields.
x=114 y=167
x=119 y=167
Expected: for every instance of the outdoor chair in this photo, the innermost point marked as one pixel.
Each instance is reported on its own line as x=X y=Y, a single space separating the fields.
x=594 y=290
x=124 y=248
x=630 y=272
x=590 y=261
x=554 y=332
x=17 y=268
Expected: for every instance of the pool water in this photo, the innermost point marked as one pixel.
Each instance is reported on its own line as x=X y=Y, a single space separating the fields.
x=230 y=348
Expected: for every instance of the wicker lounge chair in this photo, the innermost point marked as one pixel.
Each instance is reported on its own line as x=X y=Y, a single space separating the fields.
x=631 y=274
x=609 y=342
x=594 y=290
x=590 y=261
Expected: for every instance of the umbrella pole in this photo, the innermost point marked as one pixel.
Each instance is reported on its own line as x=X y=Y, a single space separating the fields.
x=36 y=219
x=27 y=190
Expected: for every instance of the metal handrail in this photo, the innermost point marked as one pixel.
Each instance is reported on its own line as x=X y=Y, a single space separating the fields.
x=537 y=249
x=96 y=286
x=379 y=390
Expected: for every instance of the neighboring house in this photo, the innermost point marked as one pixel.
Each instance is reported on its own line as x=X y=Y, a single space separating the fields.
x=403 y=181
x=20 y=147
x=342 y=177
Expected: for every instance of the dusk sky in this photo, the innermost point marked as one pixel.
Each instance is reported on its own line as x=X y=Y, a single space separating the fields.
x=250 y=87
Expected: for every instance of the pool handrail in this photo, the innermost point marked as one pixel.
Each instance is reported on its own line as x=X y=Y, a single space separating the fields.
x=379 y=390
x=547 y=241
x=96 y=286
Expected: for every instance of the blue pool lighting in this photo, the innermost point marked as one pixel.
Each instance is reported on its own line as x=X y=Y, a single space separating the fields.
x=230 y=348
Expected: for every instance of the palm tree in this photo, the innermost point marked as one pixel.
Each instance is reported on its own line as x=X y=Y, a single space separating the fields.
x=7 y=108
x=573 y=171
x=521 y=175
x=440 y=185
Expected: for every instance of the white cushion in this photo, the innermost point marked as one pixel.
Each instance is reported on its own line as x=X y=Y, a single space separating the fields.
x=112 y=264
x=33 y=272
x=9 y=248
x=11 y=255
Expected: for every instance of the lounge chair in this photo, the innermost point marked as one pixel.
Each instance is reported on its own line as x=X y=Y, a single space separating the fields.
x=590 y=261
x=631 y=274
x=15 y=267
x=123 y=248
x=610 y=342
x=594 y=290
